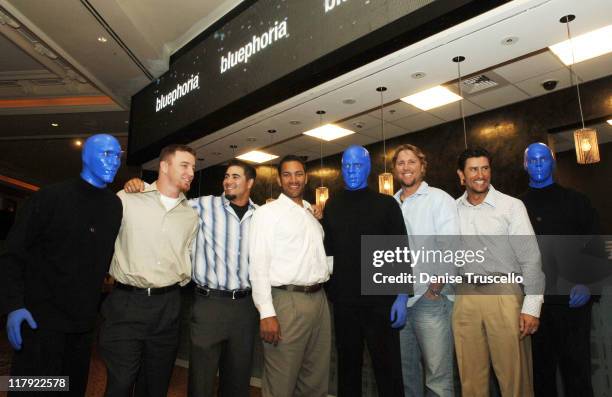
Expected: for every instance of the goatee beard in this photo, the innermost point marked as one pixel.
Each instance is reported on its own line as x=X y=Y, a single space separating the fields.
x=230 y=197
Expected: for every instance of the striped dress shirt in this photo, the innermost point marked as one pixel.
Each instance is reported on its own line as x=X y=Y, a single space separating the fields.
x=221 y=249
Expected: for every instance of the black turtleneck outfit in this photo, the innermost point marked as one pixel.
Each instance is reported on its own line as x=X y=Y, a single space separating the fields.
x=349 y=215
x=58 y=253
x=563 y=337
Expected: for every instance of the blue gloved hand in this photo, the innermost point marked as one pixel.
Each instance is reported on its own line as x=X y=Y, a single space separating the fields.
x=399 y=311
x=579 y=296
x=13 y=326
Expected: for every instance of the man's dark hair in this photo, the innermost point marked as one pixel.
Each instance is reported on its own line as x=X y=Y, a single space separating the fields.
x=473 y=152
x=288 y=158
x=249 y=170
x=170 y=150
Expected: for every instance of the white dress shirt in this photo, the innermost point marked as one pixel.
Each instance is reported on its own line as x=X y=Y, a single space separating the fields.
x=503 y=215
x=285 y=247
x=428 y=212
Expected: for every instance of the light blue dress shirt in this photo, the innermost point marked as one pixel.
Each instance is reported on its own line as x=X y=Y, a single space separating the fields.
x=428 y=212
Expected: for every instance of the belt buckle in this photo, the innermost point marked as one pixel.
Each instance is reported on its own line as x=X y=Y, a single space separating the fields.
x=234 y=294
x=205 y=291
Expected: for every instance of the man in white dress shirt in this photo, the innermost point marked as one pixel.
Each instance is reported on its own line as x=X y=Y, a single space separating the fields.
x=287 y=268
x=492 y=322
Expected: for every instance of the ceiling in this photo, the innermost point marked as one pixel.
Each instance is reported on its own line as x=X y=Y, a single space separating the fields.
x=55 y=70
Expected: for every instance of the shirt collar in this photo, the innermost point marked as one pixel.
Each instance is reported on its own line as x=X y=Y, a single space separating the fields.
x=153 y=188
x=490 y=198
x=226 y=202
x=286 y=199
x=422 y=190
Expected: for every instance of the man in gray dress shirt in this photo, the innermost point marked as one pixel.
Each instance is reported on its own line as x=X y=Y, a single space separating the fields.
x=493 y=320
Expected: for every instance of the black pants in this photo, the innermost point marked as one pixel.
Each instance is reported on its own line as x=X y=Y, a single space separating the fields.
x=355 y=324
x=223 y=332
x=54 y=353
x=138 y=342
x=563 y=339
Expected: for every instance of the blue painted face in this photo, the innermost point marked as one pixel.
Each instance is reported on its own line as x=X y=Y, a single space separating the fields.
x=355 y=167
x=539 y=164
x=101 y=159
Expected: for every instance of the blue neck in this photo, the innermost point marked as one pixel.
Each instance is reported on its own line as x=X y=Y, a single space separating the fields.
x=88 y=177
x=542 y=184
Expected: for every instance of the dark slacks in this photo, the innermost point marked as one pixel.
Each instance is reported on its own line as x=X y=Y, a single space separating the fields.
x=138 y=342
x=563 y=339
x=355 y=324
x=54 y=353
x=223 y=332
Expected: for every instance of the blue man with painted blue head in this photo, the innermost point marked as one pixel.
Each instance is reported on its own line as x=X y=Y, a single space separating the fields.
x=101 y=158
x=556 y=210
x=58 y=253
x=540 y=164
x=356 y=166
x=349 y=214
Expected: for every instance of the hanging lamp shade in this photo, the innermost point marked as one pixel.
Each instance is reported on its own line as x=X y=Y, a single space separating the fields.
x=587 y=148
x=385 y=183
x=322 y=195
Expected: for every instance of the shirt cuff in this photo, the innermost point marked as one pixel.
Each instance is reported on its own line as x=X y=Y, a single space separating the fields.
x=266 y=310
x=532 y=304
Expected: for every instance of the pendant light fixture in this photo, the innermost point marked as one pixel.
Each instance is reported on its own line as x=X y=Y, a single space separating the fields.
x=585 y=139
x=322 y=192
x=385 y=180
x=271 y=168
x=458 y=60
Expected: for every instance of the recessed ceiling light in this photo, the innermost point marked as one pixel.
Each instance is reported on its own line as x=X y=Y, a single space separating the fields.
x=586 y=46
x=418 y=75
x=432 y=98
x=78 y=142
x=329 y=132
x=54 y=125
x=295 y=122
x=102 y=39
x=609 y=121
x=257 y=157
x=349 y=101
x=251 y=139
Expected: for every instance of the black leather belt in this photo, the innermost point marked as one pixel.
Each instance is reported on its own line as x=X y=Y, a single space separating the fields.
x=300 y=288
x=146 y=291
x=220 y=293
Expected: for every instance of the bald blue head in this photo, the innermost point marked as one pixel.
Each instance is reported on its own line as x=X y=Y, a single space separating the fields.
x=539 y=164
x=101 y=158
x=355 y=167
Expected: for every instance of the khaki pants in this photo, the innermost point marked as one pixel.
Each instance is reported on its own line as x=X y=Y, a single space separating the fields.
x=486 y=330
x=299 y=364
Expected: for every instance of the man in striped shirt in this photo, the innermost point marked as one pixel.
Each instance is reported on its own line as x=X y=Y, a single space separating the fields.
x=224 y=321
